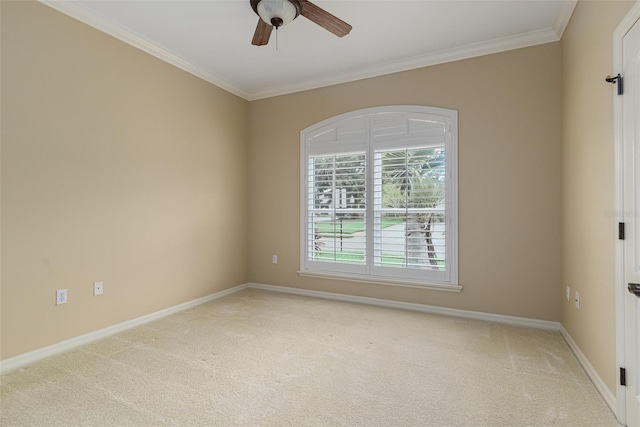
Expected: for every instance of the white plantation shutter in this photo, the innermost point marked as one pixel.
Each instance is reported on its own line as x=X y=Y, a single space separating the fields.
x=335 y=223
x=336 y=196
x=379 y=195
x=410 y=194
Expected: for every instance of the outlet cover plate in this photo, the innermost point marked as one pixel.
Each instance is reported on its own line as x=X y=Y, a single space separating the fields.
x=98 y=288
x=61 y=296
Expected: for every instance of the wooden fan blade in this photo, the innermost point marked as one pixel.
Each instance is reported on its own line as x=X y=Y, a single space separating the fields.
x=326 y=20
x=262 y=34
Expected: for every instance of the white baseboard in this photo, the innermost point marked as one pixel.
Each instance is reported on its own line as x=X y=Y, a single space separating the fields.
x=42 y=353
x=602 y=388
x=36 y=355
x=497 y=318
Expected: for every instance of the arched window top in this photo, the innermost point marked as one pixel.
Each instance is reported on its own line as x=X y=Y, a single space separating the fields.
x=379 y=196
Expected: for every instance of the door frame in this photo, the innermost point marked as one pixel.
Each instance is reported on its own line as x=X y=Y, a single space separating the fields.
x=625 y=25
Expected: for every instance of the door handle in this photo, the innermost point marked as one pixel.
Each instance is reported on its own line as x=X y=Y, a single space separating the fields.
x=634 y=288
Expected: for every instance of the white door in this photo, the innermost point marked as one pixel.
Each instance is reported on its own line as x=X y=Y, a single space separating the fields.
x=631 y=147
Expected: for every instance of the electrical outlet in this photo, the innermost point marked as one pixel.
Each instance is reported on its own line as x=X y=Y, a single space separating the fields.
x=578 y=300
x=274 y=259
x=61 y=296
x=98 y=288
x=568 y=294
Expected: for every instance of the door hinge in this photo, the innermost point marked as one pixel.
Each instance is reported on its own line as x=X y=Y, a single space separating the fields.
x=621 y=230
x=614 y=80
x=623 y=376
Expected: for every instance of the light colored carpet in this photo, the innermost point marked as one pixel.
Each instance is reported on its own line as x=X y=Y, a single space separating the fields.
x=262 y=358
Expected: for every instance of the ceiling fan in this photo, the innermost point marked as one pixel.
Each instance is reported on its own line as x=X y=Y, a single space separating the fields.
x=276 y=13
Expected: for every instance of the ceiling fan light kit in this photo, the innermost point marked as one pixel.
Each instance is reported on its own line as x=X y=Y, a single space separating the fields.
x=276 y=13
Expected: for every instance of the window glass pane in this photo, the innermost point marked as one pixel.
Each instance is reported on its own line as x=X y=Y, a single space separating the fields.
x=390 y=236
x=350 y=182
x=410 y=208
x=340 y=238
x=425 y=177
x=336 y=222
x=321 y=181
x=425 y=240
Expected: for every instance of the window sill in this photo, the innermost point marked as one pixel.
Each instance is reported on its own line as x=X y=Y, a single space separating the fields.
x=381 y=281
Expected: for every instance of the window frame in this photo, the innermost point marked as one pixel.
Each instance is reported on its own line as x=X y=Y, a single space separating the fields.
x=407 y=277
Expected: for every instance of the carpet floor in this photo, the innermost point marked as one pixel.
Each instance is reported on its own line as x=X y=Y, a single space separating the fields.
x=271 y=359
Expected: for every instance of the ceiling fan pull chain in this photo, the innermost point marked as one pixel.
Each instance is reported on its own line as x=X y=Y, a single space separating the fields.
x=277 y=38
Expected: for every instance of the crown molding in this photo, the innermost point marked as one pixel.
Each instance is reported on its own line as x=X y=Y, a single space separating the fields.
x=553 y=34
x=563 y=17
x=450 y=55
x=84 y=15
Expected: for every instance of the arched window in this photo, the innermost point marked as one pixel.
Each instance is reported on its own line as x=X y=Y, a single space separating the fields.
x=379 y=197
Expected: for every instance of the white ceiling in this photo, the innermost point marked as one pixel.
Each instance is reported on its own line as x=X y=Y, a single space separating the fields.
x=212 y=38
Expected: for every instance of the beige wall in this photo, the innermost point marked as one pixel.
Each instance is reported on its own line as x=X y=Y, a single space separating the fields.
x=588 y=181
x=115 y=166
x=509 y=108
